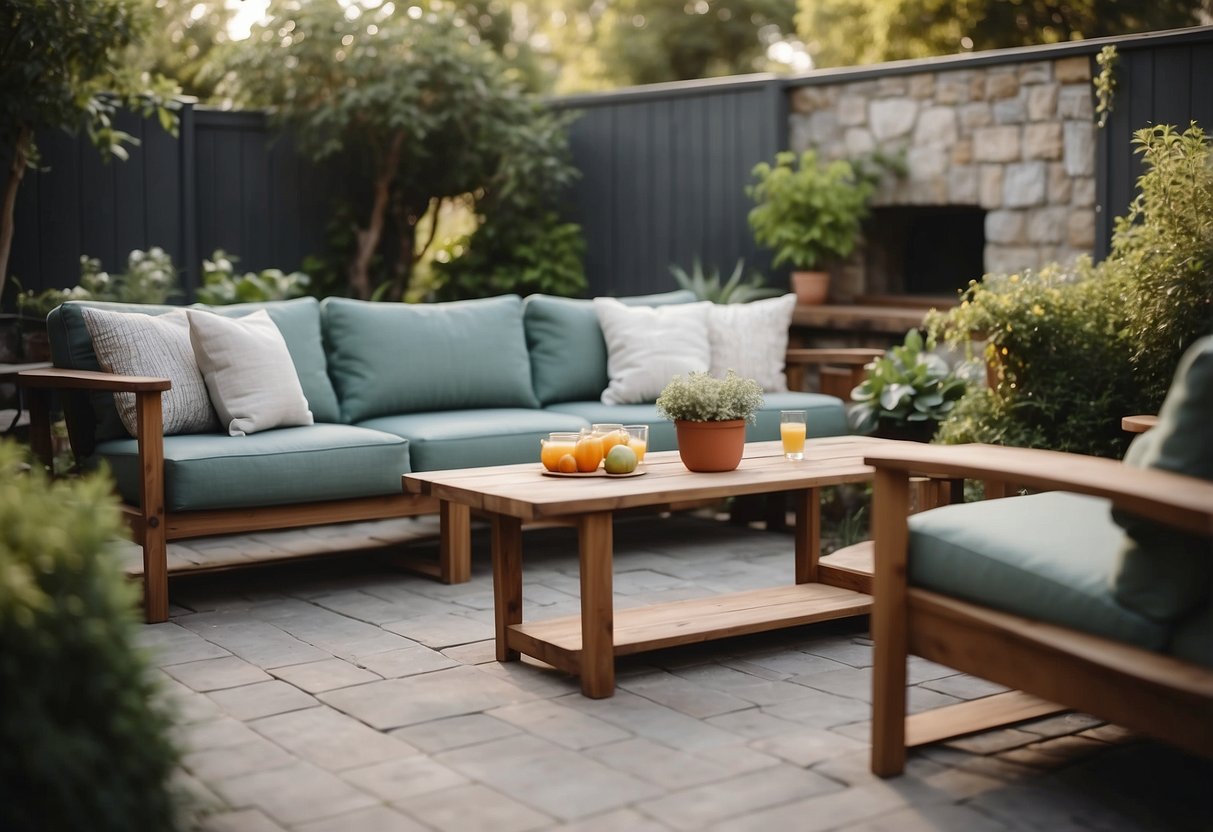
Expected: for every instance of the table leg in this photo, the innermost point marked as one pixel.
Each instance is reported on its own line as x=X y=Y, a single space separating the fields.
x=595 y=545
x=507 y=581
x=807 y=505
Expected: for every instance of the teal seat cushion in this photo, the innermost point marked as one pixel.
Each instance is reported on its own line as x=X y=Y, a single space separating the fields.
x=391 y=358
x=474 y=438
x=273 y=467
x=1044 y=556
x=299 y=322
x=567 y=351
x=1163 y=573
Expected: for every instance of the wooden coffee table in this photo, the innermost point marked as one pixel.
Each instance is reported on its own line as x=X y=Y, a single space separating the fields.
x=586 y=645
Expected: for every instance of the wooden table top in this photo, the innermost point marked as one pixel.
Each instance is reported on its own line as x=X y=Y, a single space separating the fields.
x=524 y=491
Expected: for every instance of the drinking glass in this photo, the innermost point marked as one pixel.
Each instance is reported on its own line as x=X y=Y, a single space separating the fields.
x=555 y=446
x=612 y=434
x=791 y=431
x=638 y=439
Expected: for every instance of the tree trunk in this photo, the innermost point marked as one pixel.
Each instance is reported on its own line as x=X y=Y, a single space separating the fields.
x=8 y=209
x=368 y=238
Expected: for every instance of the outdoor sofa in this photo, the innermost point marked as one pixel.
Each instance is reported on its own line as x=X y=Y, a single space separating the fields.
x=1093 y=594
x=389 y=389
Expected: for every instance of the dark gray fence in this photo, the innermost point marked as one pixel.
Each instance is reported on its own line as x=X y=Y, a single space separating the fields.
x=664 y=171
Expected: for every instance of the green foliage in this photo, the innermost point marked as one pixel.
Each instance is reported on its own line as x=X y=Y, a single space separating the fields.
x=220 y=285
x=150 y=277
x=700 y=397
x=908 y=384
x=1105 y=83
x=806 y=211
x=852 y=32
x=185 y=41
x=85 y=731
x=733 y=290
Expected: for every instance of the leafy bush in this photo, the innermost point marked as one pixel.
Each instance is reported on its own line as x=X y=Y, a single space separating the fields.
x=220 y=285
x=85 y=739
x=909 y=384
x=700 y=397
x=150 y=277
x=733 y=290
x=524 y=256
x=1073 y=349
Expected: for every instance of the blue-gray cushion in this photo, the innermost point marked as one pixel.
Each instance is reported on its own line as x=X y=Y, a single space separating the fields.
x=1044 y=556
x=1163 y=573
x=1192 y=638
x=274 y=467
x=567 y=351
x=390 y=358
x=299 y=322
x=474 y=438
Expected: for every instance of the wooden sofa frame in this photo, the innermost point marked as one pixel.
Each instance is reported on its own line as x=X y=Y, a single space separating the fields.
x=1150 y=693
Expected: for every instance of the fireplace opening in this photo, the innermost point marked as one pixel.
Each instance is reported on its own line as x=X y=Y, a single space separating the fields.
x=923 y=250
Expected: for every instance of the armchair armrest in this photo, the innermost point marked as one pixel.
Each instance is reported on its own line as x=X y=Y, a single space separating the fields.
x=1180 y=501
x=54 y=378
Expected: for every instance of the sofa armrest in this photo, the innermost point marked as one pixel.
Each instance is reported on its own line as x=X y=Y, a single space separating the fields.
x=1180 y=501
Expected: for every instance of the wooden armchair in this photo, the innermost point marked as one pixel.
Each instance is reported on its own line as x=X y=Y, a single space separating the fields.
x=1050 y=667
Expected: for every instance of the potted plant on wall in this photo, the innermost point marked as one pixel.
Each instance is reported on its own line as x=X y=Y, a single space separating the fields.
x=709 y=416
x=809 y=213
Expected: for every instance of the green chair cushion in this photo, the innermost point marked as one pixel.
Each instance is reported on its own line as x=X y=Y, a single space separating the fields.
x=391 y=358
x=1163 y=573
x=299 y=322
x=273 y=467
x=567 y=351
x=474 y=438
x=1044 y=556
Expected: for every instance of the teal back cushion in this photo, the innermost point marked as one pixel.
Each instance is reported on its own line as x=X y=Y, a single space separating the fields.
x=299 y=322
x=568 y=352
x=389 y=358
x=1163 y=573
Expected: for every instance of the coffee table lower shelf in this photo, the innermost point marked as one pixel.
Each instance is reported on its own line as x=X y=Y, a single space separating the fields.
x=558 y=641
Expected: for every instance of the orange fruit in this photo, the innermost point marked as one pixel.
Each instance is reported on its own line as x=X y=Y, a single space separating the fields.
x=567 y=464
x=588 y=454
x=610 y=440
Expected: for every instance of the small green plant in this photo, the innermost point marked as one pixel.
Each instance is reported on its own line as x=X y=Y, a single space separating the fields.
x=908 y=385
x=734 y=290
x=150 y=277
x=1105 y=83
x=701 y=397
x=221 y=285
x=84 y=727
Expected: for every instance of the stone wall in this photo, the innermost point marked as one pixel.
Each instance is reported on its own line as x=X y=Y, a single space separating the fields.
x=1018 y=140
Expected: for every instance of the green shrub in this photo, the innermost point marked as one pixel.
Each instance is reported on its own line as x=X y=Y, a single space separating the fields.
x=221 y=285
x=84 y=741
x=909 y=384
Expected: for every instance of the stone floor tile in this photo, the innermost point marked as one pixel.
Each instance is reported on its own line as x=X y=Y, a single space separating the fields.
x=753 y=724
x=787 y=663
x=751 y=688
x=336 y=634
x=1056 y=726
x=408 y=602
x=326 y=674
x=697 y=808
x=821 y=710
x=559 y=724
x=442 y=630
x=255 y=755
x=533 y=676
x=811 y=813
x=807 y=746
x=683 y=696
x=330 y=739
x=620 y=820
x=843 y=649
x=661 y=765
x=222 y=732
x=657 y=722
x=474 y=808
x=852 y=682
x=216 y=674
x=397 y=702
x=187 y=706
x=406 y=661
x=454 y=732
x=547 y=777
x=991 y=742
x=257 y=642
x=294 y=794
x=243 y=820
x=964 y=686
x=261 y=699
x=172 y=642
x=403 y=778
x=476 y=652
x=373 y=819
x=930 y=818
x=360 y=605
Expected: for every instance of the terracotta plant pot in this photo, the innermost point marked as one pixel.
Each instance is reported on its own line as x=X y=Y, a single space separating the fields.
x=811 y=288
x=708 y=447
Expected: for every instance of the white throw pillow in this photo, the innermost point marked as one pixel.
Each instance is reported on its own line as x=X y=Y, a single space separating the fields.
x=249 y=372
x=647 y=346
x=134 y=344
x=752 y=339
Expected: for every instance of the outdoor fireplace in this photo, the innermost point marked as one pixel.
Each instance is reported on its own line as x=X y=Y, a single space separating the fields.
x=923 y=250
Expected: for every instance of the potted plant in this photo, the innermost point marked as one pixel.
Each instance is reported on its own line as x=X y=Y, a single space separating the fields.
x=709 y=416
x=809 y=213
x=907 y=392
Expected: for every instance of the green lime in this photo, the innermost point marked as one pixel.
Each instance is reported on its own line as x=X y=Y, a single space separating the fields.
x=621 y=460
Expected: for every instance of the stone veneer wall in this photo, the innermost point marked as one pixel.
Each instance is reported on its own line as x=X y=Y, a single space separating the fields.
x=1017 y=140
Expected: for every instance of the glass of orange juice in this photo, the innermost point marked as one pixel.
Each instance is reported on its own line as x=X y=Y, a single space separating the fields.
x=638 y=439
x=588 y=453
x=556 y=446
x=611 y=435
x=792 y=431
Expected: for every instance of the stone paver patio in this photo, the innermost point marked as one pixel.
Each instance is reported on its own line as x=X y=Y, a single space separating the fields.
x=342 y=694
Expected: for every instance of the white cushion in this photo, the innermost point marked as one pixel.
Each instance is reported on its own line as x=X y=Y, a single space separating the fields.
x=647 y=346
x=248 y=371
x=134 y=344
x=752 y=339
